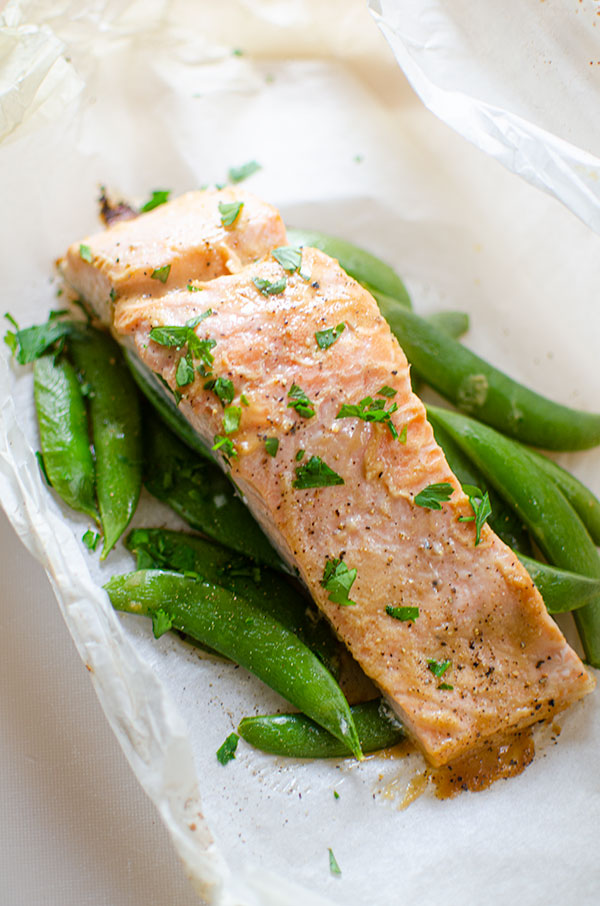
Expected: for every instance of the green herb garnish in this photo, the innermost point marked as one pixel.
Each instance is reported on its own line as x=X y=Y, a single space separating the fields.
x=387 y=391
x=158 y=197
x=230 y=211
x=405 y=614
x=481 y=506
x=334 y=868
x=231 y=419
x=299 y=455
x=446 y=687
x=434 y=495
x=289 y=257
x=32 y=342
x=244 y=400
x=185 y=371
x=238 y=174
x=161 y=273
x=336 y=795
x=326 y=338
x=225 y=445
x=85 y=253
x=227 y=751
x=338 y=580
x=90 y=539
x=268 y=288
x=438 y=668
x=370 y=410
x=194 y=289
x=300 y=402
x=161 y=623
x=315 y=474
x=403 y=435
x=271 y=445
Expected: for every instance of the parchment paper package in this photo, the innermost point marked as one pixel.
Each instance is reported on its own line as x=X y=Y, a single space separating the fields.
x=149 y=94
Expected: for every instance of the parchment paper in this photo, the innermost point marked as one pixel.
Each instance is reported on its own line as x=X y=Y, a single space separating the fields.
x=150 y=95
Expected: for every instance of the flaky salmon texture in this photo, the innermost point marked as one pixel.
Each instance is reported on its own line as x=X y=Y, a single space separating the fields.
x=506 y=664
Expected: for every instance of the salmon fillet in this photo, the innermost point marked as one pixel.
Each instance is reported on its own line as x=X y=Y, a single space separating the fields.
x=186 y=236
x=481 y=620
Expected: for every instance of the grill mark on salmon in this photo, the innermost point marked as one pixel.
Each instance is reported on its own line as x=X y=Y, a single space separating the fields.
x=478 y=608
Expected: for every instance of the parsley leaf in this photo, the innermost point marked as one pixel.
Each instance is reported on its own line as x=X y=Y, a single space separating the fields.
x=326 y=338
x=289 y=257
x=226 y=752
x=268 y=288
x=158 y=197
x=161 y=622
x=338 y=580
x=32 y=342
x=334 y=868
x=405 y=614
x=403 y=435
x=434 y=495
x=244 y=400
x=194 y=289
x=238 y=174
x=225 y=445
x=223 y=388
x=230 y=211
x=185 y=371
x=370 y=410
x=231 y=419
x=170 y=336
x=446 y=687
x=85 y=253
x=299 y=455
x=161 y=273
x=271 y=445
x=315 y=474
x=90 y=539
x=300 y=402
x=387 y=391
x=438 y=668
x=481 y=506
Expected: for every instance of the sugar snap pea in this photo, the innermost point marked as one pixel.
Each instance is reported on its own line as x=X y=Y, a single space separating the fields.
x=561 y=590
x=550 y=518
x=271 y=591
x=297 y=736
x=63 y=429
x=360 y=264
x=486 y=393
x=242 y=631
x=201 y=494
x=116 y=430
x=580 y=497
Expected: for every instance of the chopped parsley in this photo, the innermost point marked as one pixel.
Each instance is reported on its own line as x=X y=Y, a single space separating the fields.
x=161 y=273
x=289 y=257
x=403 y=435
x=334 y=868
x=244 y=400
x=481 y=506
x=193 y=289
x=238 y=174
x=326 y=338
x=185 y=371
x=338 y=580
x=231 y=419
x=438 y=668
x=268 y=288
x=300 y=402
x=225 y=445
x=336 y=795
x=179 y=335
x=299 y=455
x=223 y=388
x=230 y=211
x=271 y=445
x=226 y=752
x=85 y=253
x=158 y=197
x=32 y=342
x=161 y=623
x=370 y=410
x=434 y=495
x=387 y=391
x=405 y=614
x=90 y=539
x=315 y=474
x=447 y=687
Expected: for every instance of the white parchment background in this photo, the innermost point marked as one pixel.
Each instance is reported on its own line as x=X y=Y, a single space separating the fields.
x=148 y=95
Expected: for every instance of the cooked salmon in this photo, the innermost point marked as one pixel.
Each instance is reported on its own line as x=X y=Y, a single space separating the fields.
x=166 y=247
x=322 y=434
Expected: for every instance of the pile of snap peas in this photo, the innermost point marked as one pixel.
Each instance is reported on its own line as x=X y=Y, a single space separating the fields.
x=233 y=594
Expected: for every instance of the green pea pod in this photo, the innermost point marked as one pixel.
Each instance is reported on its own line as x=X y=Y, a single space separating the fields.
x=561 y=590
x=483 y=391
x=360 y=264
x=64 y=436
x=454 y=323
x=503 y=520
x=273 y=593
x=116 y=430
x=163 y=401
x=580 y=497
x=550 y=518
x=202 y=495
x=242 y=631
x=297 y=736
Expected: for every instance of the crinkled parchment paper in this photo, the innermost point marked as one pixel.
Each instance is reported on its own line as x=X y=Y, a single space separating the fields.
x=147 y=95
